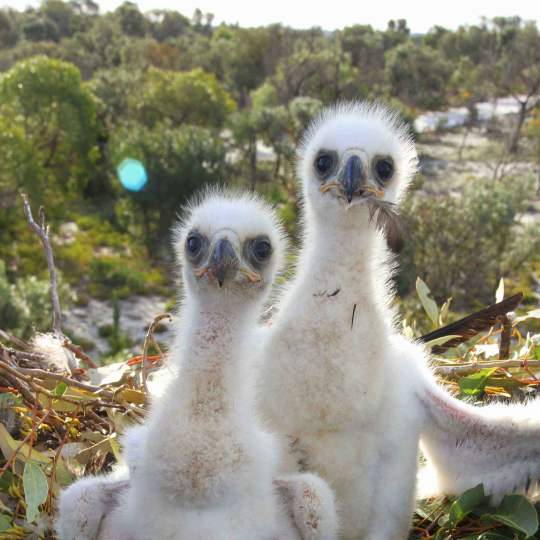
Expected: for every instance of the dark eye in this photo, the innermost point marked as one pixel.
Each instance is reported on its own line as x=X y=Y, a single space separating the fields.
x=193 y=244
x=262 y=250
x=384 y=169
x=324 y=163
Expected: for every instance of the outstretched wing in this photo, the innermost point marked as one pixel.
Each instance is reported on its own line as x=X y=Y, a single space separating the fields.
x=497 y=444
x=473 y=324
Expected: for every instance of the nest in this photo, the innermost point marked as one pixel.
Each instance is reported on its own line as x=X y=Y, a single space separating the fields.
x=58 y=425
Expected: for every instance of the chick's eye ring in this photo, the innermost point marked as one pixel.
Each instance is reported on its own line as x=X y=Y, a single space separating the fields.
x=324 y=163
x=262 y=249
x=384 y=169
x=193 y=244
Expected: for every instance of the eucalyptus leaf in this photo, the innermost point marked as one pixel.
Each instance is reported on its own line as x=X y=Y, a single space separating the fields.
x=109 y=374
x=429 y=305
x=441 y=340
x=8 y=445
x=444 y=311
x=6 y=480
x=499 y=293
x=60 y=389
x=466 y=503
x=5 y=522
x=474 y=384
x=517 y=512
x=36 y=489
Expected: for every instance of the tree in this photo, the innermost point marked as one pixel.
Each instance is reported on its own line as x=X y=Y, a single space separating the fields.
x=242 y=57
x=9 y=34
x=38 y=28
x=112 y=88
x=62 y=14
x=397 y=32
x=533 y=134
x=168 y=24
x=278 y=128
x=100 y=47
x=45 y=101
x=417 y=75
x=366 y=48
x=161 y=55
x=132 y=21
x=17 y=164
x=467 y=90
x=178 y=161
x=193 y=97
x=519 y=73
x=317 y=68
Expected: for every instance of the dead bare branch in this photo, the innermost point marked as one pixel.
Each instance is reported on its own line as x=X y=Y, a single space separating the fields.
x=42 y=232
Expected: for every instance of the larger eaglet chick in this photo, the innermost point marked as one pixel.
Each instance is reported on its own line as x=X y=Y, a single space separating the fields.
x=333 y=380
x=353 y=396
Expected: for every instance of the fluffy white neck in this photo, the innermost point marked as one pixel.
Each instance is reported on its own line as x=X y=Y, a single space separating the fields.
x=345 y=256
x=213 y=355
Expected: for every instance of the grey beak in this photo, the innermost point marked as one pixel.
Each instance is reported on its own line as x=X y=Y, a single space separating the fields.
x=352 y=176
x=223 y=260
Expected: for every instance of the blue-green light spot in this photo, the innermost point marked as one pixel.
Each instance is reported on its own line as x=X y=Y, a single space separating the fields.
x=132 y=174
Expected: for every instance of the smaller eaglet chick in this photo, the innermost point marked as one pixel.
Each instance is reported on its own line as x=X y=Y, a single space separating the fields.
x=205 y=468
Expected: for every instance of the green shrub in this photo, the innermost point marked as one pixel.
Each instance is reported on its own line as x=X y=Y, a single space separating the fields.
x=112 y=274
x=461 y=245
x=103 y=260
x=25 y=305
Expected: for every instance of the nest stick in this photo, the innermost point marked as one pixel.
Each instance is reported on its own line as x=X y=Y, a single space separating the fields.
x=150 y=338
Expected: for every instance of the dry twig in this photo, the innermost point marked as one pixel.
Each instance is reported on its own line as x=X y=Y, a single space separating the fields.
x=463 y=369
x=150 y=338
x=79 y=353
x=42 y=231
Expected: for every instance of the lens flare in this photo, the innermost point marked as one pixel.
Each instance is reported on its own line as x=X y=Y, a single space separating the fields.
x=132 y=174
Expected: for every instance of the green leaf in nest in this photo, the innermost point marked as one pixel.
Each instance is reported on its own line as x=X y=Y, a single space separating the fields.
x=60 y=389
x=6 y=480
x=517 y=512
x=466 y=503
x=474 y=384
x=5 y=523
x=430 y=306
x=36 y=489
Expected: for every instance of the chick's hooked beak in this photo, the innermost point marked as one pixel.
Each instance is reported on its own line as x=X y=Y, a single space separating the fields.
x=352 y=177
x=224 y=261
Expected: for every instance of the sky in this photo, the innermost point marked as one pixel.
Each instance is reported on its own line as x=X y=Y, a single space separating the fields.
x=421 y=15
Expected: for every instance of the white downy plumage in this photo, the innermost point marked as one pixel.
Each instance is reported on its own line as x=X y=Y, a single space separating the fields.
x=351 y=394
x=329 y=355
x=203 y=467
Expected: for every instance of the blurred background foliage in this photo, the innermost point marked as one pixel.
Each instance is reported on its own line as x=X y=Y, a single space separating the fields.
x=198 y=104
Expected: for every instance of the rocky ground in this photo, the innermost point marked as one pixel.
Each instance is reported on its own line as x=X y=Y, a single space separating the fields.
x=451 y=159
x=89 y=323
